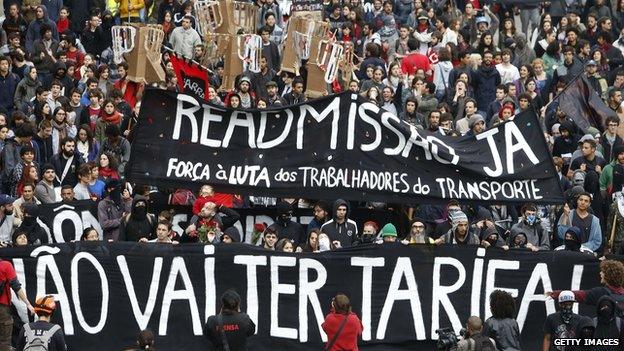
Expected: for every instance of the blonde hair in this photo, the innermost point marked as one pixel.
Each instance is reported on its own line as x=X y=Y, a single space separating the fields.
x=207 y=189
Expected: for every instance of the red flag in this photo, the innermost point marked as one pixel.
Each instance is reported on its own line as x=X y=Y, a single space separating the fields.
x=192 y=78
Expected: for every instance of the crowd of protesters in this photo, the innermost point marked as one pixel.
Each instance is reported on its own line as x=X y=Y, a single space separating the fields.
x=67 y=114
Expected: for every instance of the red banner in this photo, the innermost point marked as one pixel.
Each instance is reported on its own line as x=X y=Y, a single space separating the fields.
x=192 y=77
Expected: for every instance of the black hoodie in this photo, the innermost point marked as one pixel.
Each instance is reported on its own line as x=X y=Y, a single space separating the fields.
x=346 y=232
x=138 y=224
x=35 y=233
x=608 y=324
x=286 y=227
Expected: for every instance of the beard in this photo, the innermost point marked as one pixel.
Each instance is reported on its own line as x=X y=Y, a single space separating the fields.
x=68 y=153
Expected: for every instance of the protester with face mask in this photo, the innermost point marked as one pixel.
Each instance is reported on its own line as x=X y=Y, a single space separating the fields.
x=111 y=209
x=138 y=224
x=563 y=324
x=36 y=234
x=517 y=241
x=608 y=324
x=572 y=242
x=286 y=227
x=369 y=234
x=490 y=237
x=537 y=238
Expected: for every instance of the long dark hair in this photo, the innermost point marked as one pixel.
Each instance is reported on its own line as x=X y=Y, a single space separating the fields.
x=87 y=129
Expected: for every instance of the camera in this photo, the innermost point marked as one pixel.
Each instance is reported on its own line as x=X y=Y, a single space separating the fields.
x=446 y=338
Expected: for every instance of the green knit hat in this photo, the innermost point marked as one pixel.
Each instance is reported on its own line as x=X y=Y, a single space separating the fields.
x=388 y=230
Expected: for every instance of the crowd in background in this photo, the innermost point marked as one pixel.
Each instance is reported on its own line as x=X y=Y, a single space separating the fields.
x=67 y=114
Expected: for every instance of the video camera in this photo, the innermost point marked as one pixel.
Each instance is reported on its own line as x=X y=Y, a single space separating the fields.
x=447 y=338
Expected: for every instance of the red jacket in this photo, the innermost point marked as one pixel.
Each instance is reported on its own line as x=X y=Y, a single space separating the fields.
x=414 y=62
x=348 y=338
x=7 y=274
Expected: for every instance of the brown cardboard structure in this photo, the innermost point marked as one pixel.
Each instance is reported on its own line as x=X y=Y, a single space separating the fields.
x=220 y=24
x=144 y=59
x=301 y=31
x=226 y=16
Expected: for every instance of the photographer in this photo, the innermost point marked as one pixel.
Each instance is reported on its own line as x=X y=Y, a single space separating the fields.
x=342 y=326
x=474 y=340
x=229 y=329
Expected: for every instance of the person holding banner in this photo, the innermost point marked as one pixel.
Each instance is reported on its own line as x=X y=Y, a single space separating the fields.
x=340 y=229
x=460 y=232
x=285 y=227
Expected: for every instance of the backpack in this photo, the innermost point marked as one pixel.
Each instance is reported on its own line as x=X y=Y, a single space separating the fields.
x=38 y=342
x=182 y=197
x=481 y=343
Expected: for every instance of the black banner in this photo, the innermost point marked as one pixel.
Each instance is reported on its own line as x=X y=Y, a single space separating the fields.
x=64 y=222
x=338 y=146
x=108 y=292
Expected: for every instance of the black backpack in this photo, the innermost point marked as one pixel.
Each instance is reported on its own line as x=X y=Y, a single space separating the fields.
x=481 y=343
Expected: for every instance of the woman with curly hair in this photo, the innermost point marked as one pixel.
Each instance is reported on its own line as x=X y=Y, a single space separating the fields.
x=502 y=326
x=612 y=280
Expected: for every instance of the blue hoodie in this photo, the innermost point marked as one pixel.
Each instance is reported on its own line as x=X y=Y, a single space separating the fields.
x=34 y=29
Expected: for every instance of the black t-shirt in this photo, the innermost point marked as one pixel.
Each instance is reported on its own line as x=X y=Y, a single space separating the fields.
x=591 y=165
x=57 y=342
x=237 y=328
x=557 y=329
x=584 y=224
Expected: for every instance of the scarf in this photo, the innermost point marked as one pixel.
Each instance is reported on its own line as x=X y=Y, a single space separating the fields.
x=108 y=173
x=59 y=126
x=114 y=118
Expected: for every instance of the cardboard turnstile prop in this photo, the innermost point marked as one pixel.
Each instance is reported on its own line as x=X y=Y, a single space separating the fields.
x=304 y=34
x=226 y=17
x=228 y=29
x=140 y=46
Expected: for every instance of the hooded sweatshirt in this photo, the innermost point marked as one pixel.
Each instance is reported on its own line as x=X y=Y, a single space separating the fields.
x=26 y=89
x=36 y=234
x=345 y=232
x=534 y=232
x=138 y=224
x=608 y=324
x=575 y=243
x=34 y=29
x=286 y=227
